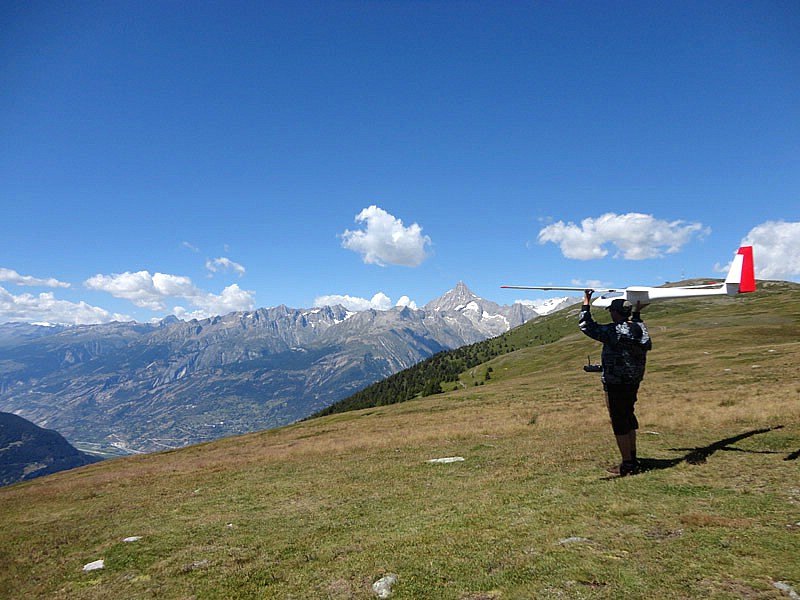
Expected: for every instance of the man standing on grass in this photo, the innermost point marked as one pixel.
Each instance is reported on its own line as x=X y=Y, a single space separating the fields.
x=625 y=345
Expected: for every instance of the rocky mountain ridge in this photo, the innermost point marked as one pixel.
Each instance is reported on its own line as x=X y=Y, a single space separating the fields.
x=143 y=387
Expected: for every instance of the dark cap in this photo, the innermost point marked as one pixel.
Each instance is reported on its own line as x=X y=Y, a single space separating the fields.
x=623 y=307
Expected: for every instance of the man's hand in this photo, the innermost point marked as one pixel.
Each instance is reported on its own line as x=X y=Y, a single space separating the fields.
x=587 y=296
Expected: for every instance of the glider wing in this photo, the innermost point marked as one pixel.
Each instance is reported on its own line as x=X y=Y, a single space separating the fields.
x=740 y=280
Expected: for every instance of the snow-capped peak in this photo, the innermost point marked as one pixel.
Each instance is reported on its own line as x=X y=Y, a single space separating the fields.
x=549 y=305
x=456 y=299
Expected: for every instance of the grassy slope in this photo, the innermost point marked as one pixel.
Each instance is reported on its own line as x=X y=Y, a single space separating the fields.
x=323 y=508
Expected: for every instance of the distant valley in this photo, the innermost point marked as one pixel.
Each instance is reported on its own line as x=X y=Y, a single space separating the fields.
x=136 y=387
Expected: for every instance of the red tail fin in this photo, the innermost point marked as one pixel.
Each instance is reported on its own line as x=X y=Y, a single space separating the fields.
x=748 y=280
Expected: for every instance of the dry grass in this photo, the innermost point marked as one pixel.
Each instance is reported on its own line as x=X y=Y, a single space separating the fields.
x=323 y=508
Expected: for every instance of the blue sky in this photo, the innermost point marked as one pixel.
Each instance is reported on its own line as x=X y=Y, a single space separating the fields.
x=196 y=158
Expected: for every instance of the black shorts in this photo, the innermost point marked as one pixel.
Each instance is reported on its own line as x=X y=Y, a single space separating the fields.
x=621 y=399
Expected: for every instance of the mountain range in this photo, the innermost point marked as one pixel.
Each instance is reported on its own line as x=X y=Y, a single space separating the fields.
x=133 y=387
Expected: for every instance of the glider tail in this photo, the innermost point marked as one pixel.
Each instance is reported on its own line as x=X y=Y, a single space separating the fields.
x=741 y=276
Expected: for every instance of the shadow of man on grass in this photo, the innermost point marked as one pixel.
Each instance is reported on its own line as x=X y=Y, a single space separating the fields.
x=698 y=456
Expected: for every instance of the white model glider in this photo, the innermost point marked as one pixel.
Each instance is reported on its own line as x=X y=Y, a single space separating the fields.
x=740 y=279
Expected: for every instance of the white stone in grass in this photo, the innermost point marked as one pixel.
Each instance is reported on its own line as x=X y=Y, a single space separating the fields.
x=133 y=538
x=94 y=565
x=446 y=460
x=383 y=587
x=785 y=587
x=573 y=540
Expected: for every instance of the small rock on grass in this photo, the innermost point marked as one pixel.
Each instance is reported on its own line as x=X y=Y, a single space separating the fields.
x=447 y=460
x=383 y=587
x=573 y=540
x=786 y=588
x=94 y=565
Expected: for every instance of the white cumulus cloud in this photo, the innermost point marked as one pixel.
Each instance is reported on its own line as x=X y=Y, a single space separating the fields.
x=386 y=240
x=144 y=289
x=155 y=291
x=379 y=301
x=224 y=264
x=12 y=276
x=46 y=308
x=406 y=301
x=776 y=250
x=635 y=236
x=232 y=299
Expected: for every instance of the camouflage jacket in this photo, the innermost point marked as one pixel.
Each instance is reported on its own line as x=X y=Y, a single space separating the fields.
x=625 y=346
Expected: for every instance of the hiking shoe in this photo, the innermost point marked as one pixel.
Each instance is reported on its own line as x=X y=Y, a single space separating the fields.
x=626 y=467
